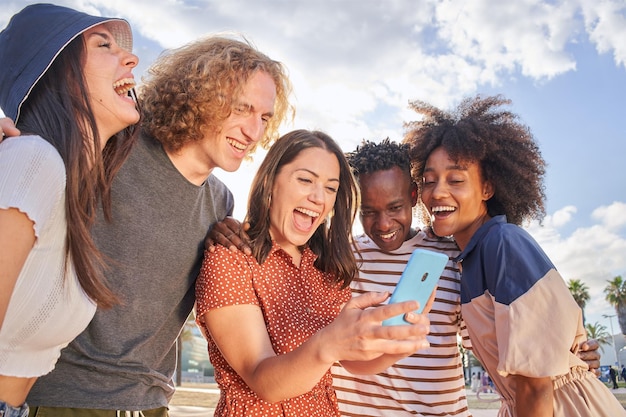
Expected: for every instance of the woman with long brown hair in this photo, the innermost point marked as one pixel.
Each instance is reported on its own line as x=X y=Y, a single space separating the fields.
x=66 y=80
x=278 y=319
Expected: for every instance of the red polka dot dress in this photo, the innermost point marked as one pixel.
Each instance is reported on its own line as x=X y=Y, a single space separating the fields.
x=296 y=302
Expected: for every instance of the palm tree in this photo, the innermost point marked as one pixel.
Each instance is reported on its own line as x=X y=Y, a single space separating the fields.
x=615 y=293
x=580 y=292
x=599 y=332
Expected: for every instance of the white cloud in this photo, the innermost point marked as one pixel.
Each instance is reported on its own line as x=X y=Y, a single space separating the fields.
x=352 y=56
x=612 y=216
x=355 y=55
x=528 y=34
x=563 y=216
x=170 y=23
x=548 y=232
x=593 y=254
x=605 y=21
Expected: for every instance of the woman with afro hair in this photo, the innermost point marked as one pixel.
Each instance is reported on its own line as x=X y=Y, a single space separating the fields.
x=480 y=174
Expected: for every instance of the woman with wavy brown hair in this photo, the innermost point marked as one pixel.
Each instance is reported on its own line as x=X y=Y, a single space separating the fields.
x=278 y=319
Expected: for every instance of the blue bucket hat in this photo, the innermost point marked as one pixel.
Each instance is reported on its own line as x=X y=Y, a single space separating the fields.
x=34 y=38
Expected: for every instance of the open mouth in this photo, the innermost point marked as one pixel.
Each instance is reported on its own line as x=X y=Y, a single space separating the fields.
x=124 y=87
x=304 y=218
x=237 y=145
x=442 y=210
x=388 y=236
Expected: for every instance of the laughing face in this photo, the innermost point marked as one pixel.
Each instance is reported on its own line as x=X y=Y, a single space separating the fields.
x=455 y=195
x=303 y=194
x=245 y=126
x=108 y=75
x=387 y=200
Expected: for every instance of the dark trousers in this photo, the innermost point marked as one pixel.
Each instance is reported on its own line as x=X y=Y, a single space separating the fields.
x=92 y=412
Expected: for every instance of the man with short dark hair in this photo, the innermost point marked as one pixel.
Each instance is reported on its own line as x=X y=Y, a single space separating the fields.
x=431 y=381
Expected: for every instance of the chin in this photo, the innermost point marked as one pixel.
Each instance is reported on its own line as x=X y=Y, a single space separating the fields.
x=231 y=167
x=388 y=247
x=129 y=119
x=440 y=232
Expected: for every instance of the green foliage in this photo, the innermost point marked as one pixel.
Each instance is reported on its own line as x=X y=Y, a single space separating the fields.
x=580 y=292
x=615 y=293
x=599 y=332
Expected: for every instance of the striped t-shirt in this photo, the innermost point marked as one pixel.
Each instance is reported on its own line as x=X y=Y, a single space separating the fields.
x=429 y=382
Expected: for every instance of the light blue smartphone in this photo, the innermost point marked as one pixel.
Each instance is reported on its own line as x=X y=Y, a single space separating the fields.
x=418 y=280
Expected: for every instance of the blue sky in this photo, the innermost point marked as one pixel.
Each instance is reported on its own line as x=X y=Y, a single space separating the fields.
x=355 y=64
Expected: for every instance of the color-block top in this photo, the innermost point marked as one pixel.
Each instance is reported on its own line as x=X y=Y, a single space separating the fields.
x=522 y=320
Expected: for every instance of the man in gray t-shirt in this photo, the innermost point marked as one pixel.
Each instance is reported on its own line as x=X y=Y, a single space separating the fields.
x=206 y=105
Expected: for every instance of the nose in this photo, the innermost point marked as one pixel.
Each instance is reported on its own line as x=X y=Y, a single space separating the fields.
x=253 y=127
x=439 y=189
x=383 y=220
x=130 y=60
x=317 y=194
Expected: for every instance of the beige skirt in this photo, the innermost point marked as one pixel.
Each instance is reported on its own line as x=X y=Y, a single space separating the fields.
x=579 y=394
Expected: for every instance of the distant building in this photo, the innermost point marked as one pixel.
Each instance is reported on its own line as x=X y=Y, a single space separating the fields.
x=196 y=366
x=607 y=352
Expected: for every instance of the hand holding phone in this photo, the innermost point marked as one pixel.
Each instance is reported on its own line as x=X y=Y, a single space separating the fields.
x=418 y=280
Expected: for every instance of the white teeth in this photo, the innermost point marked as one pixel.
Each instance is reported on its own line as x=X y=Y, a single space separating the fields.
x=388 y=235
x=237 y=145
x=310 y=213
x=123 y=86
x=442 y=208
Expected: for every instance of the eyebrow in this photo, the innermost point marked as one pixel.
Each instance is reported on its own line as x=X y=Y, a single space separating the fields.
x=396 y=202
x=316 y=175
x=455 y=167
x=250 y=107
x=103 y=35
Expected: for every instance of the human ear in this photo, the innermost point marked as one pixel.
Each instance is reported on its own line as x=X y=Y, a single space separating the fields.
x=414 y=194
x=488 y=190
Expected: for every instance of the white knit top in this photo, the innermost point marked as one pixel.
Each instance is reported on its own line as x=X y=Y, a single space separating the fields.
x=48 y=308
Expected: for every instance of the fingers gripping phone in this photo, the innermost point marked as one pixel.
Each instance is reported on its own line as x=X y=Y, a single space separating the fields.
x=418 y=280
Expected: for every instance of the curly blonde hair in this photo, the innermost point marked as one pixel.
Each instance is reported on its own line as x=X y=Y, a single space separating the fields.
x=190 y=91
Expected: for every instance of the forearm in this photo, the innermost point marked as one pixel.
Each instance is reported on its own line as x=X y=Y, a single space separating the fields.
x=534 y=397
x=373 y=366
x=356 y=335
x=248 y=350
x=288 y=375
